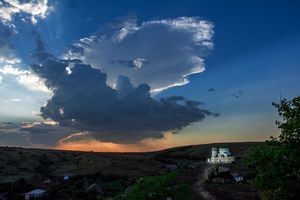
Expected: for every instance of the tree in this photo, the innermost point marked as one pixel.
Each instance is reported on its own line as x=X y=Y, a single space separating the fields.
x=277 y=161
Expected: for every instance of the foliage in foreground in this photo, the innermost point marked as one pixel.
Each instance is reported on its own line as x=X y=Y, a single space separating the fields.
x=277 y=162
x=158 y=187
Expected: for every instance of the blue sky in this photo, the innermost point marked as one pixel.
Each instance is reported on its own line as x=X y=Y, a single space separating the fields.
x=249 y=50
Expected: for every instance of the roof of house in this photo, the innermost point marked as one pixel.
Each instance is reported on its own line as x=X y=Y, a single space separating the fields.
x=36 y=191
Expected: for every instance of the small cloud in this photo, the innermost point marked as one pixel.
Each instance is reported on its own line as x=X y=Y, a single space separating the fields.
x=135 y=63
x=25 y=77
x=238 y=94
x=16 y=100
x=9 y=60
x=211 y=89
x=33 y=112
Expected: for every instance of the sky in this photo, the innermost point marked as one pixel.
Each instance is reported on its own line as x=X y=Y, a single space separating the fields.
x=144 y=75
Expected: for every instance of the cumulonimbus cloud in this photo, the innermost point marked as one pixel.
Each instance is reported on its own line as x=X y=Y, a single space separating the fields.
x=82 y=100
x=160 y=53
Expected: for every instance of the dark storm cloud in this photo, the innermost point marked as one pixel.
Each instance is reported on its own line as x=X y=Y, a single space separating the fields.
x=124 y=137
x=82 y=100
x=10 y=135
x=47 y=135
x=32 y=134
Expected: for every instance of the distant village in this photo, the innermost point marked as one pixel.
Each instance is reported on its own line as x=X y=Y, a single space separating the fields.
x=220 y=167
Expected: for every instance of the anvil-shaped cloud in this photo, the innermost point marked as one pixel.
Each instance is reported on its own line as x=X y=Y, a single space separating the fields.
x=160 y=53
x=124 y=113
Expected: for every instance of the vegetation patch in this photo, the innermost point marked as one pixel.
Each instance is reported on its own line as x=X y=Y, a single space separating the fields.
x=158 y=187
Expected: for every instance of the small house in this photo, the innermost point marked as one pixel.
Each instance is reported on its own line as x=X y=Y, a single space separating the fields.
x=37 y=193
x=237 y=177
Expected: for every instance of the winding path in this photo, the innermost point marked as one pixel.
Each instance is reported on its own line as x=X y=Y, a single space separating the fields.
x=202 y=192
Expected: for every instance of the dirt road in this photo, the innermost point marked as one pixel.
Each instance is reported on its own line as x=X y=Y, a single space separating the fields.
x=202 y=192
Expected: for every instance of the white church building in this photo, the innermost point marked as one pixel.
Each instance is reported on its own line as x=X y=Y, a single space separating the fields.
x=221 y=155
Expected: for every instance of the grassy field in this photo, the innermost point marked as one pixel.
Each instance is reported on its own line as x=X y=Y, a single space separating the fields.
x=115 y=173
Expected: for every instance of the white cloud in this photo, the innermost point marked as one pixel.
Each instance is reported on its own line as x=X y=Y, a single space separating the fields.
x=77 y=137
x=202 y=30
x=33 y=10
x=16 y=100
x=9 y=60
x=8 y=69
x=161 y=53
x=25 y=78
